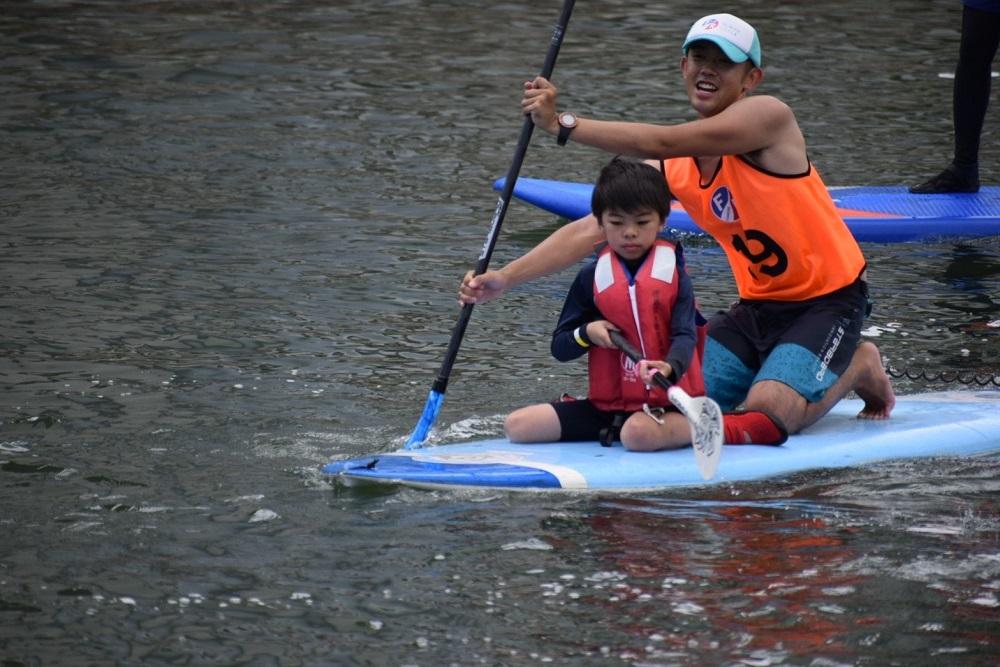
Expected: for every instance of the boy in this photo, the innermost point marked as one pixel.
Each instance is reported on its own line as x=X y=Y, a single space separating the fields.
x=637 y=285
x=639 y=280
x=790 y=347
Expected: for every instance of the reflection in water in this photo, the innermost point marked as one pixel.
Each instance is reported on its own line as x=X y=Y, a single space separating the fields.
x=972 y=270
x=787 y=580
x=764 y=577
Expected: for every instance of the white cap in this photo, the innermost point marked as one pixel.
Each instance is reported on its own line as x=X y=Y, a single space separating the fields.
x=737 y=38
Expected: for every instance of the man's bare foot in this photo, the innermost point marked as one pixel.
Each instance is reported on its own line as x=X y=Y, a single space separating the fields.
x=873 y=384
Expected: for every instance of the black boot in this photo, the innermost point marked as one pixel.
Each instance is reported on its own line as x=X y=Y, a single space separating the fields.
x=953 y=179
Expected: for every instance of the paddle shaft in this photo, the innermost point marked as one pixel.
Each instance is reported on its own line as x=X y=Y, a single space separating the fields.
x=703 y=414
x=635 y=355
x=441 y=383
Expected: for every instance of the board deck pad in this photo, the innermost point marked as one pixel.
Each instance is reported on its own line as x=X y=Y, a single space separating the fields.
x=922 y=425
x=877 y=214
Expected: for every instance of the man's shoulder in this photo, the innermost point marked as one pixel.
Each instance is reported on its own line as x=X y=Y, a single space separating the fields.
x=782 y=146
x=764 y=103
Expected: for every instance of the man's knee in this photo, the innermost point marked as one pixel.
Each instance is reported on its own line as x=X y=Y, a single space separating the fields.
x=787 y=405
x=727 y=378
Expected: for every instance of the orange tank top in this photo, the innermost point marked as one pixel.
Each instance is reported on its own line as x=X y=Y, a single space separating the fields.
x=782 y=234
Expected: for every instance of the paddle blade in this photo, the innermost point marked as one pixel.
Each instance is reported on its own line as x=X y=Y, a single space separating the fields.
x=705 y=417
x=427 y=419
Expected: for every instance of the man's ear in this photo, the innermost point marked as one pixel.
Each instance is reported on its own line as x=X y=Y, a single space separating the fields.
x=752 y=79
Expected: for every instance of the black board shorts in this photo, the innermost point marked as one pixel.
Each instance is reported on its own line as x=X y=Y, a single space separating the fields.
x=806 y=345
x=581 y=421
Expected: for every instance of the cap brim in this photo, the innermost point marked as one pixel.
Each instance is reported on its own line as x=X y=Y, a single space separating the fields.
x=731 y=51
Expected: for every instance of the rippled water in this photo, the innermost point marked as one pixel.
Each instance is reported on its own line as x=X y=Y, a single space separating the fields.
x=230 y=236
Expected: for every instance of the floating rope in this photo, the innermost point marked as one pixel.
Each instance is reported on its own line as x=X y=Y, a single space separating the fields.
x=945 y=376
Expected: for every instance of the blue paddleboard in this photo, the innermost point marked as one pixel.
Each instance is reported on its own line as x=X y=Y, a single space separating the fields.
x=873 y=214
x=922 y=425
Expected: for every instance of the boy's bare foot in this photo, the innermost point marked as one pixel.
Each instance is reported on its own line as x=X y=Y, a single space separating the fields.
x=873 y=384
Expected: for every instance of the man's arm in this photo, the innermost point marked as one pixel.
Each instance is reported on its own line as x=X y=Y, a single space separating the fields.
x=761 y=125
x=749 y=125
x=564 y=247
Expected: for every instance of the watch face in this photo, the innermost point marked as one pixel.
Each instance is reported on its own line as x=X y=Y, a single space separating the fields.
x=567 y=119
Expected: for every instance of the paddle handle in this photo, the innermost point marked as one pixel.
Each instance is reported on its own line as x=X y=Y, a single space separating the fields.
x=633 y=353
x=702 y=413
x=441 y=383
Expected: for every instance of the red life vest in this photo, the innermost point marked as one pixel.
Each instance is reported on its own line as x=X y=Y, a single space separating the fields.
x=642 y=311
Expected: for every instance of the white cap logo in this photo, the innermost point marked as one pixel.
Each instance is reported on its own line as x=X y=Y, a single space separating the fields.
x=737 y=38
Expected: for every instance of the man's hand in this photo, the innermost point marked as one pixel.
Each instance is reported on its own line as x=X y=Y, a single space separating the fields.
x=540 y=101
x=482 y=288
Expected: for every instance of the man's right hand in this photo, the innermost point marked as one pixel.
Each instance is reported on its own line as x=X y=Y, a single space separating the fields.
x=482 y=288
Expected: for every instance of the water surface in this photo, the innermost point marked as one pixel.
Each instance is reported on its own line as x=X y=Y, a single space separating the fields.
x=231 y=236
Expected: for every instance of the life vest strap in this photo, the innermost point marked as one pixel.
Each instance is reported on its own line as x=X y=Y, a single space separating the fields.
x=612 y=433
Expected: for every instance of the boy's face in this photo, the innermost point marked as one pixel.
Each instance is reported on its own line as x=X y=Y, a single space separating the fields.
x=632 y=234
x=713 y=81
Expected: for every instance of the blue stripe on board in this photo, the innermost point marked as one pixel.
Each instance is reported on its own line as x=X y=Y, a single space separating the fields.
x=417 y=471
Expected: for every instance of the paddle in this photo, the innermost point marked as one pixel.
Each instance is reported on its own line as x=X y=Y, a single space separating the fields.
x=440 y=385
x=703 y=414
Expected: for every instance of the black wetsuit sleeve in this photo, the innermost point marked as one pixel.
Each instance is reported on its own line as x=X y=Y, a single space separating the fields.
x=578 y=311
x=683 y=331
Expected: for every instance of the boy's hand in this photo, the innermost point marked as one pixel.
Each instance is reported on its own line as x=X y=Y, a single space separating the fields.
x=597 y=332
x=482 y=288
x=650 y=367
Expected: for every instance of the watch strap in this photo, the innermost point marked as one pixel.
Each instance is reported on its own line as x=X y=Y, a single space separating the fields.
x=563 y=134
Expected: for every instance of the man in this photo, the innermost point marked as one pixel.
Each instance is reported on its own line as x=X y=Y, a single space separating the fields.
x=790 y=348
x=970 y=97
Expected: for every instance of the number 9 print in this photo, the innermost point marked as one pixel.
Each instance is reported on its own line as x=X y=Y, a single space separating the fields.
x=768 y=249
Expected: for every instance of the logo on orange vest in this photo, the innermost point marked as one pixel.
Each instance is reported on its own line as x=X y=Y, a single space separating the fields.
x=723 y=205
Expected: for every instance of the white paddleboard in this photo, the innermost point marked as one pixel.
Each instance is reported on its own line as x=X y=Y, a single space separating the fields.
x=961 y=423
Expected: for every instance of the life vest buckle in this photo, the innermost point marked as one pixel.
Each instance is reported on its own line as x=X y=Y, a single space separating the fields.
x=610 y=434
x=656 y=414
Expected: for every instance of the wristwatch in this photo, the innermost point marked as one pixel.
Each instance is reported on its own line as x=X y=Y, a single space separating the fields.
x=567 y=122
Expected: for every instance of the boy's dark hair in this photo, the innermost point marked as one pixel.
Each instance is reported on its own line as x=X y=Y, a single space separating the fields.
x=629 y=185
